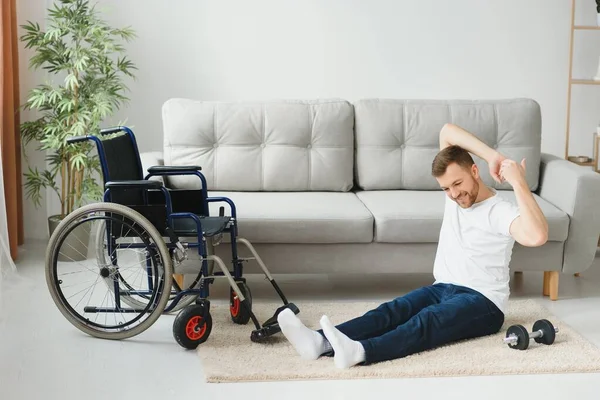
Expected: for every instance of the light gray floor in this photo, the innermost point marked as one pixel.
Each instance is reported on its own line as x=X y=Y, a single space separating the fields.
x=43 y=357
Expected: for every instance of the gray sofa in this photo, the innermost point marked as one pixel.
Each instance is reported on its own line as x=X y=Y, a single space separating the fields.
x=330 y=186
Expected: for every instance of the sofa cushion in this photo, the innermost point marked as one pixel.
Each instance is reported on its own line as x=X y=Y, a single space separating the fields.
x=262 y=146
x=397 y=140
x=305 y=217
x=407 y=216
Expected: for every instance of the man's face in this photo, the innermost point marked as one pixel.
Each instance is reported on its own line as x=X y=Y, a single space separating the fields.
x=460 y=184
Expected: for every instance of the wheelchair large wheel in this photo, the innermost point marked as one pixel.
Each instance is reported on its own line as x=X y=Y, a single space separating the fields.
x=101 y=247
x=78 y=284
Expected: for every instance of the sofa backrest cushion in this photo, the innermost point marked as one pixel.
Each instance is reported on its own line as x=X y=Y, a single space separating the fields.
x=284 y=145
x=397 y=140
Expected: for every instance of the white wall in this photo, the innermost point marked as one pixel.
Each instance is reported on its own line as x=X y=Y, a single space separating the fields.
x=265 y=49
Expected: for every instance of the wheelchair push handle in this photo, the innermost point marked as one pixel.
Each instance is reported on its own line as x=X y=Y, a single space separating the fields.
x=108 y=131
x=77 y=139
x=105 y=131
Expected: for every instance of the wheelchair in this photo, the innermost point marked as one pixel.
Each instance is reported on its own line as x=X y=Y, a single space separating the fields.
x=140 y=236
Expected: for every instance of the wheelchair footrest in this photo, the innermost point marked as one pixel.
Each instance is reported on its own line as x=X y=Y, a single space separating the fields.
x=271 y=326
x=261 y=334
x=273 y=319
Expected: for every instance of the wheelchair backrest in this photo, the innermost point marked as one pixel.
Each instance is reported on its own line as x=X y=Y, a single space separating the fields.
x=121 y=161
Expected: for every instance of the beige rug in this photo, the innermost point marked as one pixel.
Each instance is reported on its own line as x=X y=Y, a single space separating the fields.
x=230 y=356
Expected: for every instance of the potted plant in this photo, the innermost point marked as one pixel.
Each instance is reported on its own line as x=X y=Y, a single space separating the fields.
x=83 y=58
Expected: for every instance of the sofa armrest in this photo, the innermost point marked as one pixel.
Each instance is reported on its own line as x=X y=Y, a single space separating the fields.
x=576 y=191
x=151 y=159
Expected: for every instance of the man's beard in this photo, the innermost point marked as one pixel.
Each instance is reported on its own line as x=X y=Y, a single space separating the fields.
x=466 y=199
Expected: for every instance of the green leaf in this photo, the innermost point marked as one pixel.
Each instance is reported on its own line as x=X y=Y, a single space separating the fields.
x=71 y=82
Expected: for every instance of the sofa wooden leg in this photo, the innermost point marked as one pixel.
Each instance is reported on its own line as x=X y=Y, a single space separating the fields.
x=553 y=284
x=179 y=279
x=576 y=275
x=546 y=289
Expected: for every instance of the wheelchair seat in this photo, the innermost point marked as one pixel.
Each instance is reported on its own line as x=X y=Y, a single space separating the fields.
x=210 y=225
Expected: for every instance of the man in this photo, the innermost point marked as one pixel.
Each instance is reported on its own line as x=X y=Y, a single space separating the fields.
x=471 y=288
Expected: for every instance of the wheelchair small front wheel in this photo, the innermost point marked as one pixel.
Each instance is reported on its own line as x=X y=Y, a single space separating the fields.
x=238 y=312
x=113 y=297
x=192 y=326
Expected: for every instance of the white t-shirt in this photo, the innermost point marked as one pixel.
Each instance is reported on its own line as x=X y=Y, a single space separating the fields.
x=475 y=247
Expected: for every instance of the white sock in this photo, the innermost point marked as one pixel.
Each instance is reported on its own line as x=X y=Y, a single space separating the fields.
x=308 y=343
x=347 y=352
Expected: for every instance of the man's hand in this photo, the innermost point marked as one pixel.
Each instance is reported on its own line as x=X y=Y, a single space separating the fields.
x=512 y=172
x=495 y=164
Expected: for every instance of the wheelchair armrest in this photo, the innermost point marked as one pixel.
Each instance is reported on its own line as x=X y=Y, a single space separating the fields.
x=227 y=200
x=134 y=184
x=167 y=170
x=158 y=169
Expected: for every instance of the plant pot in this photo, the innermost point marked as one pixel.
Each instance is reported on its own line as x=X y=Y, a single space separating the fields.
x=75 y=246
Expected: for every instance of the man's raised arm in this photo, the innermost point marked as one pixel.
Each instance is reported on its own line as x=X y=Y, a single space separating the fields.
x=531 y=227
x=453 y=135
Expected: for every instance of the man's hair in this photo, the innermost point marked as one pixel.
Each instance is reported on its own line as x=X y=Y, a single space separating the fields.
x=451 y=154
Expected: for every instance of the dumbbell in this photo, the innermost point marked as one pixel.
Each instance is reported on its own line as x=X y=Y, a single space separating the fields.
x=518 y=338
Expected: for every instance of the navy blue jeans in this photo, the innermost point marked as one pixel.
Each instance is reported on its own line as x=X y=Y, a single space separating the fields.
x=423 y=319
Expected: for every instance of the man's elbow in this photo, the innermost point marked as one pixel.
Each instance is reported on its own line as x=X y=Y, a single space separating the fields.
x=445 y=134
x=446 y=128
x=539 y=239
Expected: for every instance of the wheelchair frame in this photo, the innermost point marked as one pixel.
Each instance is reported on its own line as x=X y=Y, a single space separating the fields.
x=178 y=251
